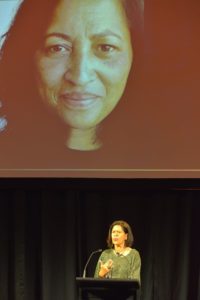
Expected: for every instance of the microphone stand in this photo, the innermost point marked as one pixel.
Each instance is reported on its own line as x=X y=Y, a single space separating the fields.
x=84 y=271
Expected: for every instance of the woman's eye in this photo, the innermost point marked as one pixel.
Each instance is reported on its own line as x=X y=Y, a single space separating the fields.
x=106 y=48
x=57 y=50
x=106 y=51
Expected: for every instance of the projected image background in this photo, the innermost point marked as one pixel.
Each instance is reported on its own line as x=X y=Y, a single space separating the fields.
x=115 y=95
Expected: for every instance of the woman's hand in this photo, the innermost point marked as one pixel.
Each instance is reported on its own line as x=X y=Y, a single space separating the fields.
x=105 y=268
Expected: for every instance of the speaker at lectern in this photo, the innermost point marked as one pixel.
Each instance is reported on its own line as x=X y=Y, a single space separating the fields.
x=106 y=289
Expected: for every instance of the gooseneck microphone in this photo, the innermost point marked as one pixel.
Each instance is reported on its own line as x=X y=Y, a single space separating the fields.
x=84 y=271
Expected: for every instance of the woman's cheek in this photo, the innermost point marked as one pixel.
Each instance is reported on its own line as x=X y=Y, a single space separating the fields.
x=118 y=68
x=51 y=71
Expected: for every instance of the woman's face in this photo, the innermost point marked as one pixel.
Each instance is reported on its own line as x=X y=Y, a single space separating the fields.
x=118 y=235
x=84 y=62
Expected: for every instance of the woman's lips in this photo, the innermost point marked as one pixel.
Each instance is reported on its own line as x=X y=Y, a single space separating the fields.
x=115 y=239
x=79 y=100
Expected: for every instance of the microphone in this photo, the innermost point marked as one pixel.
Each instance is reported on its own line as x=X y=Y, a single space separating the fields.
x=84 y=271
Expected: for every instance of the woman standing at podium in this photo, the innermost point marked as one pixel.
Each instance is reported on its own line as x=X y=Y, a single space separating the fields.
x=120 y=260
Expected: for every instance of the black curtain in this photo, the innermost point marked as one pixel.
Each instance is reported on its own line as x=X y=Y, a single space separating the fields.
x=49 y=228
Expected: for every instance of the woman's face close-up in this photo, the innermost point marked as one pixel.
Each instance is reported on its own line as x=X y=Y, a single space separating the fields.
x=118 y=235
x=83 y=65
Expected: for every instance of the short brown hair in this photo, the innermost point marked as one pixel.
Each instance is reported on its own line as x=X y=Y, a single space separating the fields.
x=126 y=228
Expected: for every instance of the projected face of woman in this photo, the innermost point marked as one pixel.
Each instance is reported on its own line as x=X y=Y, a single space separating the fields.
x=84 y=64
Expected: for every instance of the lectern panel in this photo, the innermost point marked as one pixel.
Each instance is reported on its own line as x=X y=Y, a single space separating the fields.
x=106 y=289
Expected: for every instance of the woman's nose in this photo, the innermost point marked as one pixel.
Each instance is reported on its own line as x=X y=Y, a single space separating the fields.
x=80 y=70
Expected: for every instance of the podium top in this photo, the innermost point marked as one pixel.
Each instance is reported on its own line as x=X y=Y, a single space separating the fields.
x=90 y=282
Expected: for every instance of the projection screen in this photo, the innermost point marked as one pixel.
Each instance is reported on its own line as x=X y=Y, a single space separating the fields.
x=104 y=89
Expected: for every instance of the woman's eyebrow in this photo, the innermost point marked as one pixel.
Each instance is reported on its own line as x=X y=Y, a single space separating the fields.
x=101 y=34
x=59 y=35
x=107 y=32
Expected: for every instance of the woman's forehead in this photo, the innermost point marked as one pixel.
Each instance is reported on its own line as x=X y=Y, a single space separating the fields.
x=117 y=227
x=91 y=15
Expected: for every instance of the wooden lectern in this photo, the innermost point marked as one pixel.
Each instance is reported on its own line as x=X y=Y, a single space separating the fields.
x=106 y=289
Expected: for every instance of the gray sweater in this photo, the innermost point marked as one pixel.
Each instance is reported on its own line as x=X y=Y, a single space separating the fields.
x=124 y=266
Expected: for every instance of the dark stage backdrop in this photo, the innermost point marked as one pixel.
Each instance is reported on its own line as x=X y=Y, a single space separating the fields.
x=48 y=228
